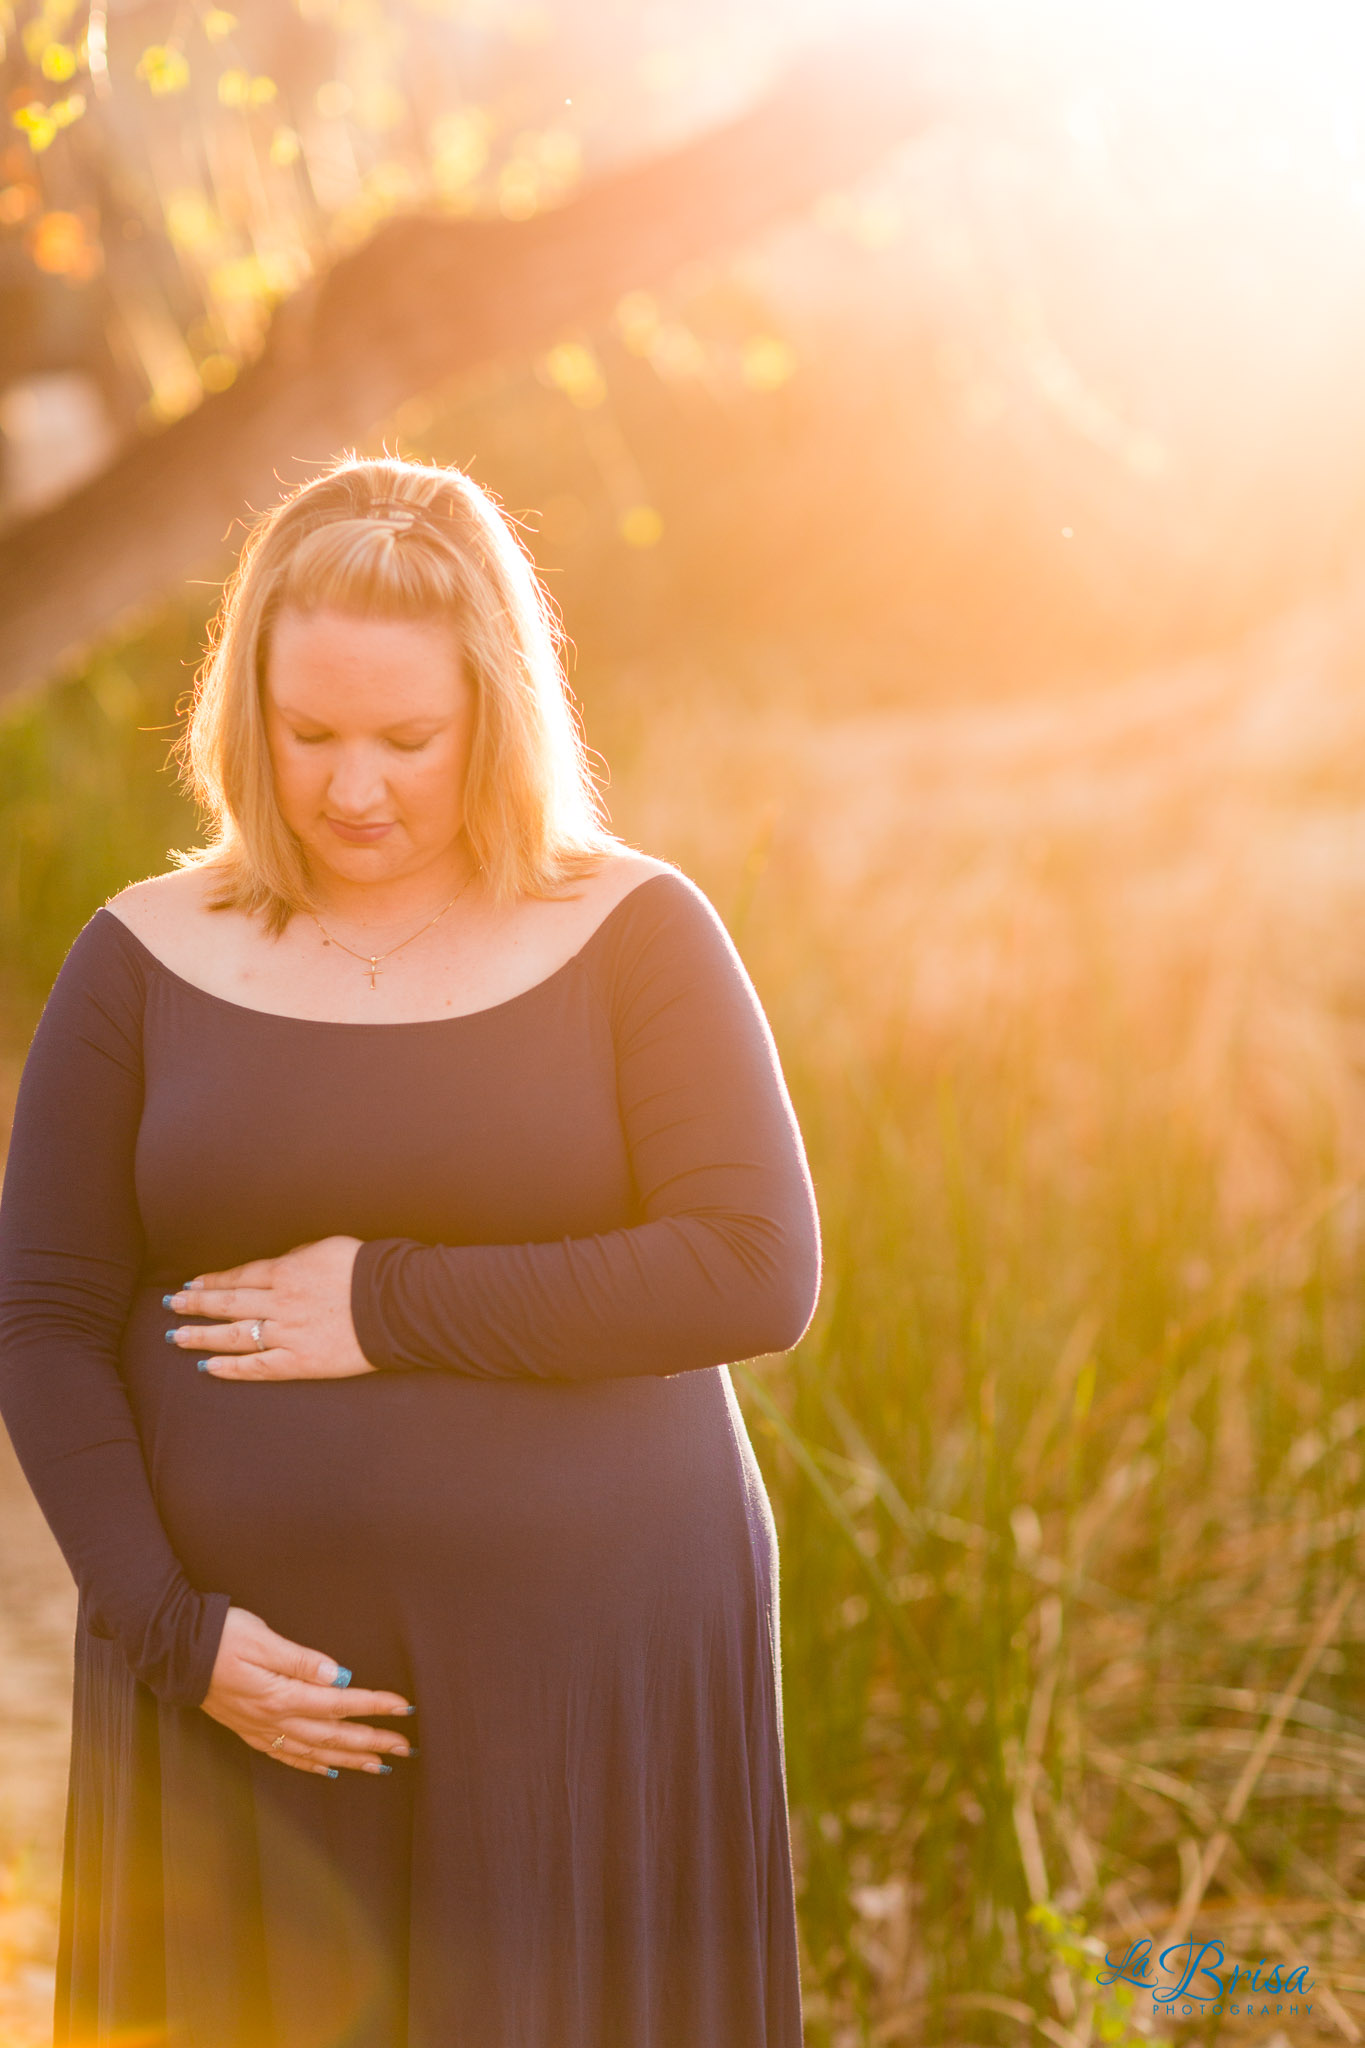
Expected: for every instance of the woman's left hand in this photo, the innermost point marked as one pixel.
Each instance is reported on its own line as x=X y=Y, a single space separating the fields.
x=302 y=1303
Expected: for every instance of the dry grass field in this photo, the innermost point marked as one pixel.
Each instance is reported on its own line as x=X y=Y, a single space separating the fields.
x=37 y=1616
x=1071 y=998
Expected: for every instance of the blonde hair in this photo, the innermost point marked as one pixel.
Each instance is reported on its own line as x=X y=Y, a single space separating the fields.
x=391 y=539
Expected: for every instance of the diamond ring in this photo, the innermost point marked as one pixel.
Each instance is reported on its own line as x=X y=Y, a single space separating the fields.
x=256 y=1336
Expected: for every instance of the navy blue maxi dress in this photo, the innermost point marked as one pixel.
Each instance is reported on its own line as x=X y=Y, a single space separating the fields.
x=540 y=1519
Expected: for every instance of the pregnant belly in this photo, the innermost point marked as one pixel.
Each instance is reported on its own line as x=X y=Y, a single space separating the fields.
x=431 y=1497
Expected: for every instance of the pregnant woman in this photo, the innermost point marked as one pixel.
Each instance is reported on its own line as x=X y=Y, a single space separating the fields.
x=390 y=1185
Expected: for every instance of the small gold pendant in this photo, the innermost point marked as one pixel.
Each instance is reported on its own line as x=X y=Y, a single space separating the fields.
x=374 y=967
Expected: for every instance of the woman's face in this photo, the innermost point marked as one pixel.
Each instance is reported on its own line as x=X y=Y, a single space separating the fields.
x=369 y=723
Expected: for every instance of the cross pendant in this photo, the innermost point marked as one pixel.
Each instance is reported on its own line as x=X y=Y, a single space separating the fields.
x=374 y=969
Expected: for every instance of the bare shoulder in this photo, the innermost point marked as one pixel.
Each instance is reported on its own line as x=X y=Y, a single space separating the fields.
x=165 y=906
x=619 y=877
x=548 y=930
x=164 y=903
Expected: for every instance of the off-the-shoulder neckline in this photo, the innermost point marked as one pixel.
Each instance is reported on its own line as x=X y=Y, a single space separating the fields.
x=398 y=1023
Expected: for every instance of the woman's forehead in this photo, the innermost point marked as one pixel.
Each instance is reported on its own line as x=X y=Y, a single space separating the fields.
x=366 y=667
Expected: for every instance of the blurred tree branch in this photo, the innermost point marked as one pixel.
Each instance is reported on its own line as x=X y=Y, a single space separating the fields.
x=424 y=300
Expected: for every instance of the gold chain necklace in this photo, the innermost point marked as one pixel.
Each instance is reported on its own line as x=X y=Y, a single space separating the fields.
x=374 y=960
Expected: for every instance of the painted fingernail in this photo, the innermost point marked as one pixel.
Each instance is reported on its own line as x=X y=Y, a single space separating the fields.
x=204 y=1364
x=414 y=1750
x=171 y=1336
x=343 y=1676
x=331 y=1771
x=386 y=1770
x=168 y=1301
x=409 y=1710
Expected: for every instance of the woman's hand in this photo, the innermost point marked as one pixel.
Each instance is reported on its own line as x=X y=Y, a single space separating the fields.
x=302 y=1303
x=264 y=1687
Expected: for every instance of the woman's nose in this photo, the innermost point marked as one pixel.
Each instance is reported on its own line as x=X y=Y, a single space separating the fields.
x=357 y=785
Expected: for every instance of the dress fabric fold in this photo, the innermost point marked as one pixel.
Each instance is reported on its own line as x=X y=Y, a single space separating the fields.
x=540 y=1517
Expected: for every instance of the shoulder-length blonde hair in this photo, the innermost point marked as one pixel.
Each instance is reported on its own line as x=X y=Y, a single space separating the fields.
x=390 y=539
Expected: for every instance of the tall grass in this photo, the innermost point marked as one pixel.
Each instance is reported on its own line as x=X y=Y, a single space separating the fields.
x=85 y=806
x=1068 y=1470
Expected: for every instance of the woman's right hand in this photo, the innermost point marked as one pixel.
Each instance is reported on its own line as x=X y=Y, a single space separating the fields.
x=264 y=1686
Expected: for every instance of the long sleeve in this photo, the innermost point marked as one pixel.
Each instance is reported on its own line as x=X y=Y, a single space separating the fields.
x=70 y=1253
x=725 y=1260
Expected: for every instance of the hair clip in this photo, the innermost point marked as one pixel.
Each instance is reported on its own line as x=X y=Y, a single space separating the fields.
x=393 y=512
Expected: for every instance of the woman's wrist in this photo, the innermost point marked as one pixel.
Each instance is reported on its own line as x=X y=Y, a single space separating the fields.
x=215 y=1613
x=377 y=1259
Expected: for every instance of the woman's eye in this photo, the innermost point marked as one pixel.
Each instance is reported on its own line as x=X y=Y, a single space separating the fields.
x=316 y=739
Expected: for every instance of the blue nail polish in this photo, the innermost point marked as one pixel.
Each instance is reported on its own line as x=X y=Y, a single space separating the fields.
x=331 y=1771
x=385 y=1770
x=413 y=1750
x=204 y=1364
x=168 y=1301
x=409 y=1710
x=343 y=1676
x=171 y=1336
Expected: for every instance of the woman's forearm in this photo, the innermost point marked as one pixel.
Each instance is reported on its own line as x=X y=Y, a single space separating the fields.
x=70 y=1255
x=672 y=1295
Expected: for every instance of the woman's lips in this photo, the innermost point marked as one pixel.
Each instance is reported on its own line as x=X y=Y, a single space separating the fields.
x=360 y=835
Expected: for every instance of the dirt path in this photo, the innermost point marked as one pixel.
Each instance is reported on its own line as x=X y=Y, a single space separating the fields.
x=37 y=1620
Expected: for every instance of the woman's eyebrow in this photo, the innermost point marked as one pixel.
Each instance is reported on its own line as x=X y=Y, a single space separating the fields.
x=417 y=723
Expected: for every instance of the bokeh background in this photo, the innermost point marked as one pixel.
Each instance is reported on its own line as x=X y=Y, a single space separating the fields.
x=942 y=430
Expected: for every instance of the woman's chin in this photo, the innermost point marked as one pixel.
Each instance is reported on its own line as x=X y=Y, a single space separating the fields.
x=383 y=860
x=348 y=862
